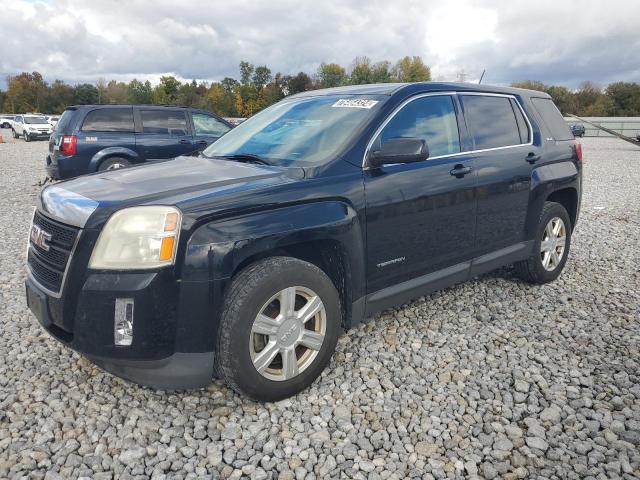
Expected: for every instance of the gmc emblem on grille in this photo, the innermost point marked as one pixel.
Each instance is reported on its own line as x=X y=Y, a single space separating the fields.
x=40 y=238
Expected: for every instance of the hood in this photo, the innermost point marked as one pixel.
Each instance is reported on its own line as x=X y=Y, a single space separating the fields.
x=165 y=183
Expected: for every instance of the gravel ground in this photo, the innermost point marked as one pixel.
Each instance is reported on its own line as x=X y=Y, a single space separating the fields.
x=493 y=378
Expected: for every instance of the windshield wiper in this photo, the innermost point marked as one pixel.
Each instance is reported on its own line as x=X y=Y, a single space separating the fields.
x=247 y=157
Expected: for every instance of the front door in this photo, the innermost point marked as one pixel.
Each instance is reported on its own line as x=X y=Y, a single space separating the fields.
x=420 y=216
x=206 y=129
x=163 y=133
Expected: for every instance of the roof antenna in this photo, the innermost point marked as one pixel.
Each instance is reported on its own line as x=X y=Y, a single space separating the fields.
x=481 y=77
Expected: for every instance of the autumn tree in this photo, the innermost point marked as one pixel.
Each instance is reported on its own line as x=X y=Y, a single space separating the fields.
x=412 y=69
x=361 y=71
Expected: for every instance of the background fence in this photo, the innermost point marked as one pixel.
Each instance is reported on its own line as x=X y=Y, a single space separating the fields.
x=629 y=126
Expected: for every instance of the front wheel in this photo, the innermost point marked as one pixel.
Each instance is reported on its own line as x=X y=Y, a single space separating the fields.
x=279 y=328
x=27 y=138
x=551 y=248
x=15 y=135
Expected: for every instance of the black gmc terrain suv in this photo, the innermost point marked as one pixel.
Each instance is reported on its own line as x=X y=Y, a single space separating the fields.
x=247 y=261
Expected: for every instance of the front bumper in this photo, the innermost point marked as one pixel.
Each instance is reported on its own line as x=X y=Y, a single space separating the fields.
x=171 y=348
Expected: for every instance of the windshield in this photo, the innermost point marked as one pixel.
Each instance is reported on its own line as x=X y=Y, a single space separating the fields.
x=35 y=120
x=299 y=131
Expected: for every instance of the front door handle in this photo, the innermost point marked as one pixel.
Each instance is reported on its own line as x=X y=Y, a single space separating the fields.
x=184 y=140
x=460 y=171
x=532 y=158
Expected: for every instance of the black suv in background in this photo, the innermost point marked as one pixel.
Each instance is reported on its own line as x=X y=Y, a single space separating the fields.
x=92 y=138
x=307 y=218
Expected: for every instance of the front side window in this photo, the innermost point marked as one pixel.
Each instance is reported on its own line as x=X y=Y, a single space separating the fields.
x=206 y=125
x=109 y=120
x=300 y=131
x=491 y=121
x=164 y=122
x=432 y=119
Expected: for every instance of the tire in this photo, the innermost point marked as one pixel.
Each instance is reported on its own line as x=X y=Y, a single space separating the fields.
x=533 y=269
x=27 y=138
x=113 y=163
x=254 y=291
x=15 y=135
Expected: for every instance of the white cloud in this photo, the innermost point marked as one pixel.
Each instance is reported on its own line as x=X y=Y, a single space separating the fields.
x=549 y=40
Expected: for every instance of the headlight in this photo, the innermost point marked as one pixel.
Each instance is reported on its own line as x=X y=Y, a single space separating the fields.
x=138 y=238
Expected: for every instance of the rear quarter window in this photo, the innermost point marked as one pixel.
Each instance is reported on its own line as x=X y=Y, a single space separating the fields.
x=491 y=121
x=65 y=121
x=109 y=120
x=552 y=118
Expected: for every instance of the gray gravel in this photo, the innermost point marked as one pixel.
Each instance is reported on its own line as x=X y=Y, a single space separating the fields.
x=493 y=378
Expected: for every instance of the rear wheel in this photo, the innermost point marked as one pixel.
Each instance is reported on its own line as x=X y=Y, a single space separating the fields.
x=279 y=328
x=113 y=164
x=553 y=239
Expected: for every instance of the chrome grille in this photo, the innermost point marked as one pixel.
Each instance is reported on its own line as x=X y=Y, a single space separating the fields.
x=48 y=266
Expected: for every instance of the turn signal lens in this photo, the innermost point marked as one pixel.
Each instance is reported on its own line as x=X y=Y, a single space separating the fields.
x=166 y=249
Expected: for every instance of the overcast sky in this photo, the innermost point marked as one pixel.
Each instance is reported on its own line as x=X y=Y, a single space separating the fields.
x=556 y=41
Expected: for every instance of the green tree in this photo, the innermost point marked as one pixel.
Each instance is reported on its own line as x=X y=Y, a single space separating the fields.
x=297 y=83
x=139 y=92
x=412 y=69
x=530 y=85
x=625 y=98
x=261 y=77
x=381 y=72
x=361 y=71
x=331 y=75
x=246 y=72
x=59 y=96
x=86 y=94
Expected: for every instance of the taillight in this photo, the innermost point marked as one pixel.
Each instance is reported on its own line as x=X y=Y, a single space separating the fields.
x=579 y=151
x=69 y=145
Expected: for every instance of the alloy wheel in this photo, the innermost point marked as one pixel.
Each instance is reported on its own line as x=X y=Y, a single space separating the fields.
x=288 y=333
x=553 y=244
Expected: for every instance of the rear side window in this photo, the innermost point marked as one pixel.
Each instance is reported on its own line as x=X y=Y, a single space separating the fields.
x=109 y=120
x=432 y=119
x=65 y=121
x=207 y=125
x=164 y=122
x=491 y=121
x=552 y=118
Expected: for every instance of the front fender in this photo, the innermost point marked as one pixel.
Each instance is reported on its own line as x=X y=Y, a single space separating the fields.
x=112 y=152
x=217 y=249
x=231 y=241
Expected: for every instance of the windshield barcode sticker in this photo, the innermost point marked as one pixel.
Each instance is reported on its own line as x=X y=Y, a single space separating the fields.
x=355 y=103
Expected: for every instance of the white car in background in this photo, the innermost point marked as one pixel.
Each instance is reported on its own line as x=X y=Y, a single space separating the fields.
x=6 y=121
x=53 y=120
x=31 y=127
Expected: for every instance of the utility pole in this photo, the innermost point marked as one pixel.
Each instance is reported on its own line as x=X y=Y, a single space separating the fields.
x=462 y=76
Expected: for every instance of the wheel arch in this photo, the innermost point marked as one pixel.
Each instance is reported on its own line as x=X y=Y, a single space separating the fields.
x=110 y=152
x=568 y=198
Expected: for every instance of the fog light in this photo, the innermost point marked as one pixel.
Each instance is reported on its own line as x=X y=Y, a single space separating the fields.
x=123 y=321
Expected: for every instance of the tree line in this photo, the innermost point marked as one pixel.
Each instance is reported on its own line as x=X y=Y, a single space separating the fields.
x=619 y=99
x=255 y=89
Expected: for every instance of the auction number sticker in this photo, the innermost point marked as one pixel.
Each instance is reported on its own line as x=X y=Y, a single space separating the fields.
x=355 y=103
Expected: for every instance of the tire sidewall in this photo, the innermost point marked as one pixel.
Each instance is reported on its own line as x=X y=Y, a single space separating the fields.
x=234 y=358
x=553 y=210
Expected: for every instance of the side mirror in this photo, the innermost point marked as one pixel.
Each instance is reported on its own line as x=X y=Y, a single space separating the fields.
x=399 y=150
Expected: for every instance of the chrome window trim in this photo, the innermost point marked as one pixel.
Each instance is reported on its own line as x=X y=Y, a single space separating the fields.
x=66 y=268
x=457 y=154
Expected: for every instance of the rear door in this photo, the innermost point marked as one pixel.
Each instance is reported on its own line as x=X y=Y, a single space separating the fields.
x=207 y=129
x=504 y=153
x=162 y=133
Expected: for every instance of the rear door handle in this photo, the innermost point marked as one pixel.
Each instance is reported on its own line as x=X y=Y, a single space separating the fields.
x=184 y=140
x=460 y=171
x=532 y=158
